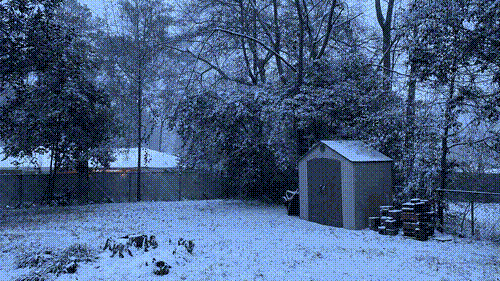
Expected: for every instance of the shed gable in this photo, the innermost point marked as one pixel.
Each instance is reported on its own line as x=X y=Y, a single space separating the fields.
x=356 y=151
x=351 y=150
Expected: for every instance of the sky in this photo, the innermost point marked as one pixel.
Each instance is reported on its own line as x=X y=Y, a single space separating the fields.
x=96 y=6
x=366 y=6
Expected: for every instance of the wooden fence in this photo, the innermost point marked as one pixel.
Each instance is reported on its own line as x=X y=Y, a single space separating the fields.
x=166 y=185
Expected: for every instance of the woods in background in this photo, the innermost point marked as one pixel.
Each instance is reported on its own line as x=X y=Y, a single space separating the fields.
x=250 y=85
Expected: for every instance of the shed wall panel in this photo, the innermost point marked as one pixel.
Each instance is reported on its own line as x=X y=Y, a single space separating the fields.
x=348 y=210
x=303 y=194
x=373 y=188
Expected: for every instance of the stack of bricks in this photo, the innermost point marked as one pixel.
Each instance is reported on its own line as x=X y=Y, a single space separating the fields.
x=389 y=221
x=418 y=219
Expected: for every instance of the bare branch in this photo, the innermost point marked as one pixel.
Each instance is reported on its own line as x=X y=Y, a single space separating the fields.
x=263 y=24
x=473 y=142
x=329 y=28
x=211 y=66
x=380 y=17
x=390 y=70
x=260 y=43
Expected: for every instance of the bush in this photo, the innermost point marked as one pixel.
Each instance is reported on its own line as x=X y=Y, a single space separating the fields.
x=47 y=263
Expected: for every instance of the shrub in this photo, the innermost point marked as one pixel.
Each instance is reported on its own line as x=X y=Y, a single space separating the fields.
x=47 y=263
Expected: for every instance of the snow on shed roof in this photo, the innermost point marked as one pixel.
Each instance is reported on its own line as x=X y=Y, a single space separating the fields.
x=354 y=150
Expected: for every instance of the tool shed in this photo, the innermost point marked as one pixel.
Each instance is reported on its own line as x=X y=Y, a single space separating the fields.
x=343 y=182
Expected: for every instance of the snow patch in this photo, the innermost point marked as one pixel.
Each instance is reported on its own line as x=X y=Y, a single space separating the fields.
x=237 y=240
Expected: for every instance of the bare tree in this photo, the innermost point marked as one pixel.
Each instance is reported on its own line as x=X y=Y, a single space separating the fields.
x=253 y=32
x=138 y=45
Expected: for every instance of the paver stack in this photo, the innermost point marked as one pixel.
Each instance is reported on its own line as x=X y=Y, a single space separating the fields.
x=416 y=219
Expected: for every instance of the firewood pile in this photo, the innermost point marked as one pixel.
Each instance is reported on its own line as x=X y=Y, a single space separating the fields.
x=415 y=218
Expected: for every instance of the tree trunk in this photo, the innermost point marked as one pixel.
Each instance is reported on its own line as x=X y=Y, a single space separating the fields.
x=410 y=126
x=253 y=45
x=139 y=139
x=49 y=192
x=244 y=27
x=277 y=41
x=444 y=167
x=313 y=53
x=300 y=71
x=386 y=46
x=160 y=140
x=329 y=28
x=20 y=192
x=385 y=24
x=82 y=169
x=49 y=183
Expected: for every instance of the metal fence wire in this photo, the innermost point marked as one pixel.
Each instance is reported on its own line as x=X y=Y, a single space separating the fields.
x=472 y=213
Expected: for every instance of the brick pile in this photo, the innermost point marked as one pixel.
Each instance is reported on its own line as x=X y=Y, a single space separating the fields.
x=416 y=219
x=389 y=221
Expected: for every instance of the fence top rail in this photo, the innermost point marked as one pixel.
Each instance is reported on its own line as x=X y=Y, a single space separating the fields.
x=468 y=191
x=91 y=172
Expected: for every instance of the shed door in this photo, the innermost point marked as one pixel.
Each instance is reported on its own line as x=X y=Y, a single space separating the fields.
x=325 y=191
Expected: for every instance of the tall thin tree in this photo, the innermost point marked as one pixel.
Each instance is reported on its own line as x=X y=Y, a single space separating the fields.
x=138 y=48
x=386 y=24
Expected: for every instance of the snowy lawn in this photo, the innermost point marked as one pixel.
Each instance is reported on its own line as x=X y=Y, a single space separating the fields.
x=236 y=240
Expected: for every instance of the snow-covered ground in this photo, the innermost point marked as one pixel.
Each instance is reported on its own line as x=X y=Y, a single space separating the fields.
x=237 y=240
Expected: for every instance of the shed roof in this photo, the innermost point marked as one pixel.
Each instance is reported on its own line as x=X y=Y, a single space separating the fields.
x=353 y=150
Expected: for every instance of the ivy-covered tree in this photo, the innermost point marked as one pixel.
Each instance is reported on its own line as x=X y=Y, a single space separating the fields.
x=442 y=40
x=227 y=130
x=340 y=98
x=326 y=87
x=251 y=134
x=57 y=106
x=20 y=52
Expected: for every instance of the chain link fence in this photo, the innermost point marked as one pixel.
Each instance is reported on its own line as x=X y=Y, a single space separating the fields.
x=467 y=214
x=472 y=206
